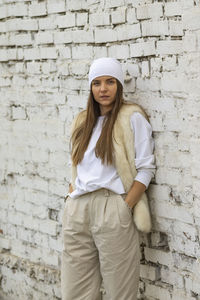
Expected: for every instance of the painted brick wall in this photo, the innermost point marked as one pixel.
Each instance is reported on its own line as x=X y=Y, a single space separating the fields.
x=46 y=48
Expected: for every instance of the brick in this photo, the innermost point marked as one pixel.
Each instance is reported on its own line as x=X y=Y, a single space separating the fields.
x=77 y=5
x=4 y=41
x=25 y=25
x=48 y=226
x=114 y=3
x=133 y=69
x=18 y=113
x=145 y=69
x=57 y=159
x=47 y=52
x=172 y=278
x=154 y=11
x=159 y=239
x=30 y=54
x=128 y=32
x=57 y=189
x=191 y=18
x=44 y=38
x=64 y=69
x=76 y=101
x=83 y=36
x=30 y=223
x=55 y=244
x=2 y=29
x=198 y=42
x=105 y=35
x=54 y=126
x=186 y=230
x=3 y=55
x=15 y=218
x=57 y=7
x=37 y=9
x=66 y=21
x=177 y=159
x=39 y=156
x=142 y=49
x=82 y=52
x=183 y=142
x=184 y=246
x=175 y=28
x=40 y=184
x=169 y=47
x=17 y=10
x=119 y=51
x=99 y=19
x=12 y=54
x=189 y=42
x=47 y=23
x=79 y=69
x=3 y=12
x=155 y=28
x=4 y=243
x=149 y=272
x=174 y=83
x=157 y=292
x=119 y=16
x=173 y=9
x=81 y=19
x=130 y=85
x=33 y=68
x=173 y=212
x=21 y=39
x=65 y=52
x=151 y=84
x=169 y=63
x=196 y=186
x=64 y=37
x=170 y=176
x=131 y=16
x=179 y=294
x=99 y=52
x=158 y=256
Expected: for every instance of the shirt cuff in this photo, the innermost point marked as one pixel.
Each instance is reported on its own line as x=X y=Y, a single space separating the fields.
x=145 y=176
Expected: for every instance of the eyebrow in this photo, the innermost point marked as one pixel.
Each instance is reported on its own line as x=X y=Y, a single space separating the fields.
x=97 y=80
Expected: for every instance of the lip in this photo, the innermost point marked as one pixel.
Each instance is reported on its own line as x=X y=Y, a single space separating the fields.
x=104 y=96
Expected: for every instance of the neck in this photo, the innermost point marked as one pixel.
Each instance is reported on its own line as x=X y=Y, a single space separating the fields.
x=104 y=110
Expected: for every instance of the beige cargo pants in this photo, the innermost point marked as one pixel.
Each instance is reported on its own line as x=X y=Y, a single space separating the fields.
x=100 y=242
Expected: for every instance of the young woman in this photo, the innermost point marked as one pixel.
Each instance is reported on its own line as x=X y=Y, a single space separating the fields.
x=112 y=166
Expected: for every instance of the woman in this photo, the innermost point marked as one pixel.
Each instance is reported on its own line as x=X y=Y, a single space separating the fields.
x=110 y=141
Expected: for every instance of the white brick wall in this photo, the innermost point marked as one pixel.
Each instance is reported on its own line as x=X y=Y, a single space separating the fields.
x=45 y=52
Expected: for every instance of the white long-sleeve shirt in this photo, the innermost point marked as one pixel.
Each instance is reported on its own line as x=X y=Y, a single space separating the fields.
x=93 y=175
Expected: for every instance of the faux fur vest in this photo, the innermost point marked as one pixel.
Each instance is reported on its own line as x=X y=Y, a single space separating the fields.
x=124 y=159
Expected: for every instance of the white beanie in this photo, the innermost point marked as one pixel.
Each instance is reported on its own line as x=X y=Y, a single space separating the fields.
x=106 y=66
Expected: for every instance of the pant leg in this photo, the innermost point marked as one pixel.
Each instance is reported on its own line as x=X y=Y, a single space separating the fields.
x=117 y=240
x=80 y=274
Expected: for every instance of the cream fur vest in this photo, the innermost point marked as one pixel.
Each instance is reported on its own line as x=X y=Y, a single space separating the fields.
x=124 y=160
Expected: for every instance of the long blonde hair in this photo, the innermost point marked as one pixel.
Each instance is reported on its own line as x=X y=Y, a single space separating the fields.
x=82 y=134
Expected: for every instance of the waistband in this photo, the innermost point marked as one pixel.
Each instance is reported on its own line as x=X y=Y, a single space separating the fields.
x=103 y=191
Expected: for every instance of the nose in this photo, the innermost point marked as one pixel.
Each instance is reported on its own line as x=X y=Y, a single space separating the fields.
x=103 y=86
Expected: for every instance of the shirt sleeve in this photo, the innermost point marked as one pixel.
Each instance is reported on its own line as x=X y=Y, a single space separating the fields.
x=144 y=148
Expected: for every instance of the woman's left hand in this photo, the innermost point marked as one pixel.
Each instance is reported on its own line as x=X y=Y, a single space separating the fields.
x=135 y=193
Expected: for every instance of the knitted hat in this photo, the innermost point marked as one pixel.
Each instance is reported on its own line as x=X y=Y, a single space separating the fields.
x=106 y=66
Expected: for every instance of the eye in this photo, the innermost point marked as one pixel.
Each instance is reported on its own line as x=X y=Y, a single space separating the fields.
x=111 y=81
x=95 y=83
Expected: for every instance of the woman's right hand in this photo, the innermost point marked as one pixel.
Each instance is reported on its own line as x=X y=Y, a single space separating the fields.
x=70 y=188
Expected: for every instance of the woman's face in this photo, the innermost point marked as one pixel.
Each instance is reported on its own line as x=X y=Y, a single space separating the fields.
x=104 y=89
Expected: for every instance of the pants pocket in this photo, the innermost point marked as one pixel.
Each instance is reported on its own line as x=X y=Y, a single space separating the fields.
x=124 y=213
